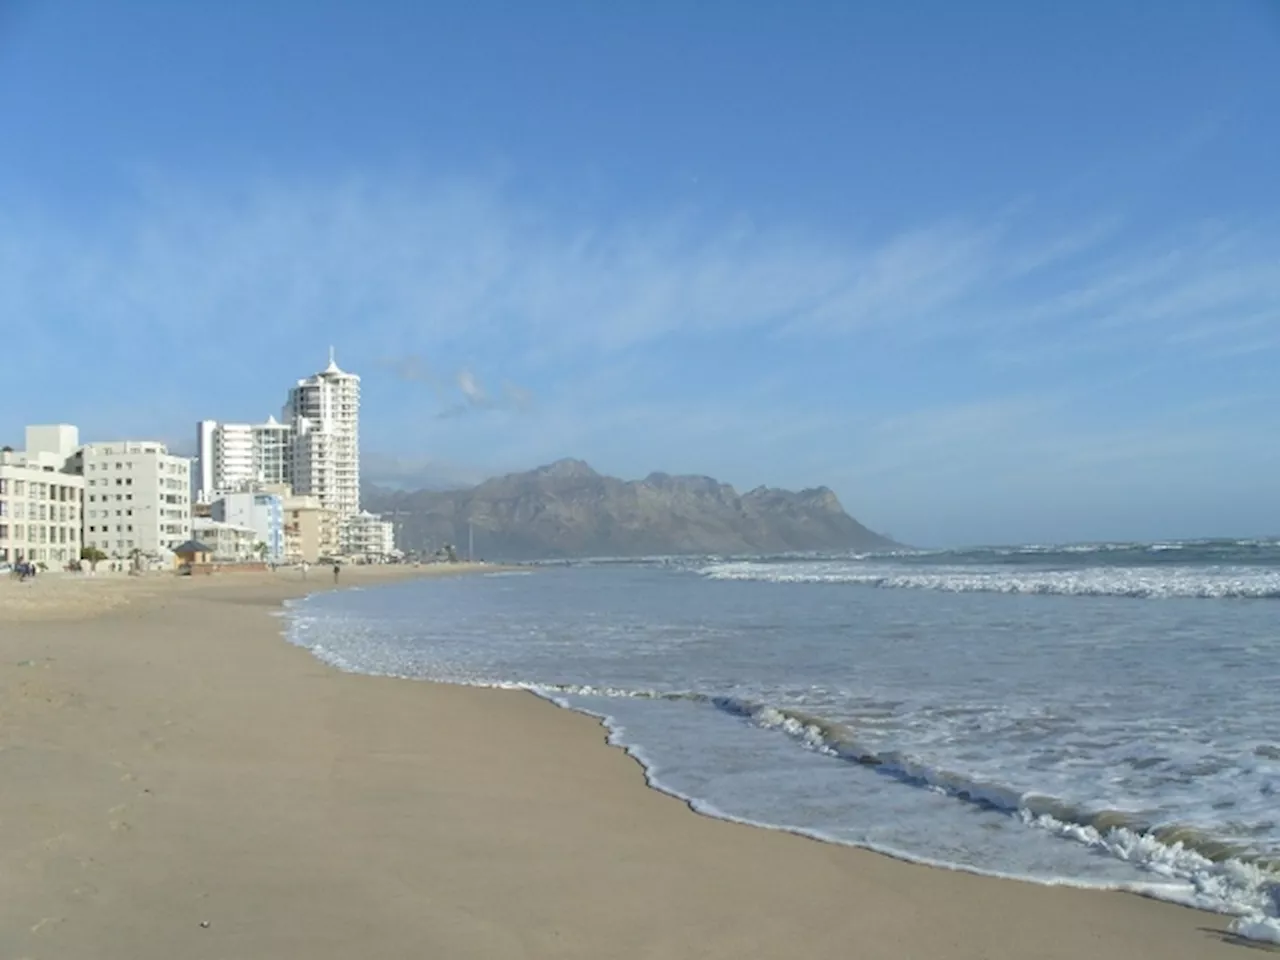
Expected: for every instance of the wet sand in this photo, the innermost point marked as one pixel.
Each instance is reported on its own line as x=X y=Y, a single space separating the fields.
x=177 y=781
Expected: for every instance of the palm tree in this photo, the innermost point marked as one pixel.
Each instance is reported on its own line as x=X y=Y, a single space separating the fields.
x=93 y=555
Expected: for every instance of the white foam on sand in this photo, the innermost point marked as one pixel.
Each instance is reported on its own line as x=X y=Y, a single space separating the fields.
x=1180 y=869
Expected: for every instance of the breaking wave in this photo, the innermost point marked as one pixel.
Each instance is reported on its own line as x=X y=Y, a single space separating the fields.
x=1190 y=866
x=1148 y=583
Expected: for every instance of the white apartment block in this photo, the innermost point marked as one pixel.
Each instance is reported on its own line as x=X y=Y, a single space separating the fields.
x=367 y=535
x=40 y=498
x=324 y=412
x=227 y=542
x=232 y=457
x=257 y=510
x=137 y=497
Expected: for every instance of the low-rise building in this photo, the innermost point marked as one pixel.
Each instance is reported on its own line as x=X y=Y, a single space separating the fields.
x=310 y=530
x=41 y=494
x=259 y=510
x=137 y=498
x=368 y=537
x=227 y=542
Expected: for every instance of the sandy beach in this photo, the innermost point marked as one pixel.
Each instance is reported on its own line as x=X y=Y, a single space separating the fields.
x=179 y=782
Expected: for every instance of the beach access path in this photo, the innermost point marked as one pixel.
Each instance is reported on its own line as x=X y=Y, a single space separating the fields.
x=177 y=781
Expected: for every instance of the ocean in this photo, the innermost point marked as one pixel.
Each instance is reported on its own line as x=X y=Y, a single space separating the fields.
x=1103 y=715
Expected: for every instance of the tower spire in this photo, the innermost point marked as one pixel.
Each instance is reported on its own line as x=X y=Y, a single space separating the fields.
x=330 y=353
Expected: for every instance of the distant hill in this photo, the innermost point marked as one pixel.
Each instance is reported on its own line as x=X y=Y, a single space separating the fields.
x=566 y=509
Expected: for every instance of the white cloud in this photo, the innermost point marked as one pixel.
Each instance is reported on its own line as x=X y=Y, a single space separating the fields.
x=462 y=294
x=400 y=267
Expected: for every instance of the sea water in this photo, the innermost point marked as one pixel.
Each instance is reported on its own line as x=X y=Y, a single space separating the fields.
x=1102 y=715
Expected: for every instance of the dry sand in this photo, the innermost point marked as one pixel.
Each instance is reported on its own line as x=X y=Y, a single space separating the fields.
x=178 y=783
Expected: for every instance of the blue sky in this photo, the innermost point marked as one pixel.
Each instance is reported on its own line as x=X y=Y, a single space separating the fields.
x=994 y=272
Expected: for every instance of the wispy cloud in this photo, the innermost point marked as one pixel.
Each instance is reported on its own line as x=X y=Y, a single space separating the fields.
x=444 y=266
x=463 y=393
x=475 y=398
x=766 y=352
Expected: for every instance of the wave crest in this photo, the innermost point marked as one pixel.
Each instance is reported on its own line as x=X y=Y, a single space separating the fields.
x=1136 y=583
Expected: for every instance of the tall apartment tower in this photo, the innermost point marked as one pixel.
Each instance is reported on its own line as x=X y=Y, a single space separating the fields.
x=233 y=457
x=324 y=414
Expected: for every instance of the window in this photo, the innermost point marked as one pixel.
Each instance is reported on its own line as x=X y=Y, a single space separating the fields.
x=93 y=497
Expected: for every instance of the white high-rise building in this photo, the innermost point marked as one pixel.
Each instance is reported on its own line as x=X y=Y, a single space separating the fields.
x=137 y=497
x=232 y=457
x=324 y=412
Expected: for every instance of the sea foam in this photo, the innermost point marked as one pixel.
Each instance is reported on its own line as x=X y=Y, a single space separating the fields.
x=1137 y=582
x=961 y=718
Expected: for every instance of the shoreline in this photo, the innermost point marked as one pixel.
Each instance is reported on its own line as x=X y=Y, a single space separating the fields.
x=1155 y=889
x=174 y=761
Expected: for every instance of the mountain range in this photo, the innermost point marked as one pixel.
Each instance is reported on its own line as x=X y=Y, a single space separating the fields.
x=567 y=509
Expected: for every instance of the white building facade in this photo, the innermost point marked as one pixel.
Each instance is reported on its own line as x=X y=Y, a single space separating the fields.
x=258 y=511
x=137 y=497
x=236 y=456
x=41 y=495
x=227 y=542
x=366 y=535
x=324 y=413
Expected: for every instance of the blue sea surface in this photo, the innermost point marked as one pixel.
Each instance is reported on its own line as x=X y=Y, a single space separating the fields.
x=1101 y=715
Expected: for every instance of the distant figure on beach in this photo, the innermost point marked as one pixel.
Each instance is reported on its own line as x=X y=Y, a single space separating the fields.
x=304 y=569
x=336 y=568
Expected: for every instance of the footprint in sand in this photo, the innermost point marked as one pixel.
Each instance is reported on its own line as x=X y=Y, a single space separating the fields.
x=46 y=922
x=54 y=842
x=118 y=825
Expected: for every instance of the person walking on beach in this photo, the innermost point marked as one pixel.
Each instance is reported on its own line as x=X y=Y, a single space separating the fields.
x=336 y=568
